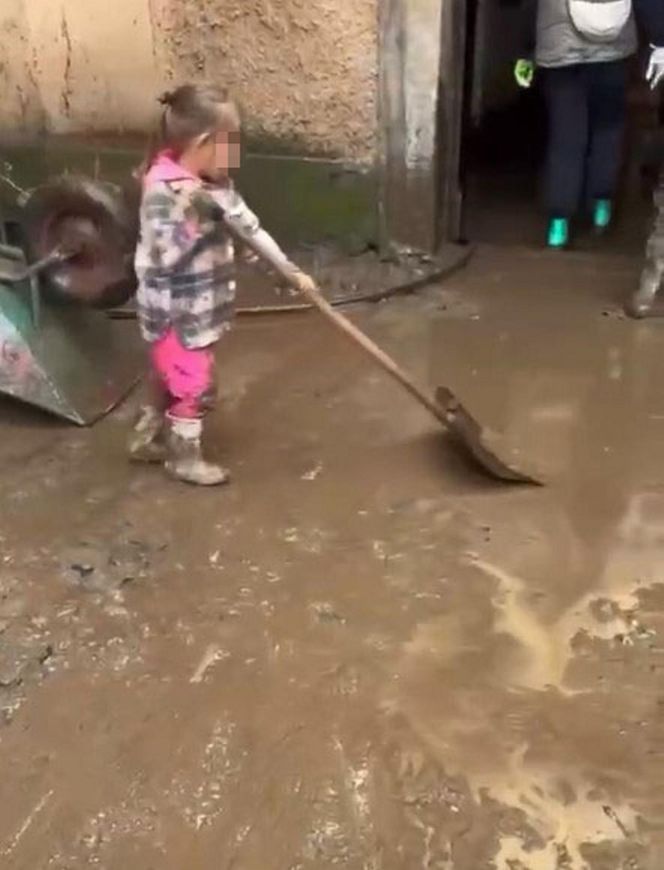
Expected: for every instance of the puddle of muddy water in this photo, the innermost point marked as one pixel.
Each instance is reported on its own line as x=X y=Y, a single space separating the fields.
x=508 y=689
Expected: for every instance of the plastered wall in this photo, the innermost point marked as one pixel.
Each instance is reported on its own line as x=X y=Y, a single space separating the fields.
x=305 y=70
x=75 y=65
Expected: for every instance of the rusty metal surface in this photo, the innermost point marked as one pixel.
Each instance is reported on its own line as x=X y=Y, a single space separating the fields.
x=74 y=363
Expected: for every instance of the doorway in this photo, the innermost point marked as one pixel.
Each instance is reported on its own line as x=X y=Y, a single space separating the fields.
x=503 y=140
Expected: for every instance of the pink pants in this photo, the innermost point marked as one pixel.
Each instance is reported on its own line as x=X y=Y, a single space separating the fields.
x=184 y=376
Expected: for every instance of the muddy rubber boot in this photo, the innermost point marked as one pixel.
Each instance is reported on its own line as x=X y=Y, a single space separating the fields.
x=145 y=442
x=185 y=455
x=641 y=303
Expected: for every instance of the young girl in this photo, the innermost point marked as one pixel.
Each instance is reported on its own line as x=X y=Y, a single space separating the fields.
x=184 y=264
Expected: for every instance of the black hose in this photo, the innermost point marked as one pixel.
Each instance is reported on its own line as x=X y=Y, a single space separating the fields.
x=375 y=296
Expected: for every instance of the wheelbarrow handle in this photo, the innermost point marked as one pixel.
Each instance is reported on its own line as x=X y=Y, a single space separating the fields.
x=30 y=271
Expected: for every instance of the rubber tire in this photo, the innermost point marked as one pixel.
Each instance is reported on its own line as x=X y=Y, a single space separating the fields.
x=106 y=217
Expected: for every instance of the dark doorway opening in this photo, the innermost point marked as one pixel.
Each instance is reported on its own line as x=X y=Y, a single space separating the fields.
x=503 y=145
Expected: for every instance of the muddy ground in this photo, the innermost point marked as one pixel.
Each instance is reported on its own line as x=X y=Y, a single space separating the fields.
x=362 y=654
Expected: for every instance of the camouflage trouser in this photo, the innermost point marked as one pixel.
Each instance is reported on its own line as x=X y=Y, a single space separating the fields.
x=641 y=303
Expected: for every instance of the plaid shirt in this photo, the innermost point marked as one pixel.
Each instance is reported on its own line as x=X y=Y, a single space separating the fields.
x=184 y=260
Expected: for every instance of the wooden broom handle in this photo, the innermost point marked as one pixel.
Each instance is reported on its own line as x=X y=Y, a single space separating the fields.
x=348 y=328
x=386 y=362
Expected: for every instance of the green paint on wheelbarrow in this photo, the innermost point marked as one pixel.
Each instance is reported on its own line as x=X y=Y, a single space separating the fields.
x=72 y=362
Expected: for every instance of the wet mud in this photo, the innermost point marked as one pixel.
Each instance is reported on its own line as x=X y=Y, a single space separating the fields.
x=363 y=653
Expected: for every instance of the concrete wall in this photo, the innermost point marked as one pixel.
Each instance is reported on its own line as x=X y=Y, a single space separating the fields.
x=20 y=106
x=305 y=70
x=421 y=65
x=356 y=79
x=409 y=72
x=71 y=65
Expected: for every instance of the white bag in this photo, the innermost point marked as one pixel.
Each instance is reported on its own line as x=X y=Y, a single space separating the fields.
x=600 y=20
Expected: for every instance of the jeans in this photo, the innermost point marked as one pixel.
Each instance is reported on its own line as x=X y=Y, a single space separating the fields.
x=586 y=106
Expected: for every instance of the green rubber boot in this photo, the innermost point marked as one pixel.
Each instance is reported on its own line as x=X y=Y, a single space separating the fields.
x=602 y=214
x=558 y=235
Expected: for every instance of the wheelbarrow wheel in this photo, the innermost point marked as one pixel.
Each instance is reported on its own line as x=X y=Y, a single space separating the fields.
x=97 y=222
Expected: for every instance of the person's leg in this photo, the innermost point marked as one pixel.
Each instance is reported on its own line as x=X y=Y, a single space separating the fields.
x=145 y=442
x=607 y=90
x=189 y=377
x=642 y=301
x=567 y=107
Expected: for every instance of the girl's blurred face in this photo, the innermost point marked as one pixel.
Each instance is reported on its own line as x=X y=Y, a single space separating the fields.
x=227 y=150
x=213 y=157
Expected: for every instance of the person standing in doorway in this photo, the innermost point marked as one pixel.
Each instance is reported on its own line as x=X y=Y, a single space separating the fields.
x=582 y=50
